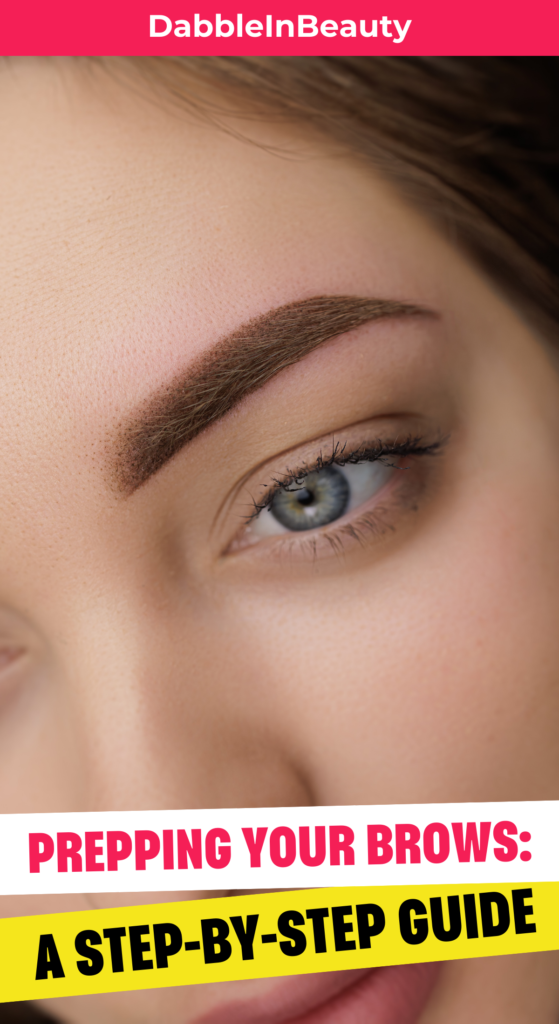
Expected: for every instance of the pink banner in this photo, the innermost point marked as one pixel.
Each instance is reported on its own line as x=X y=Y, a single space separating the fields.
x=281 y=27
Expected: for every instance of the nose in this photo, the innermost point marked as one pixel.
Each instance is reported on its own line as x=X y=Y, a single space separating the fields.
x=167 y=710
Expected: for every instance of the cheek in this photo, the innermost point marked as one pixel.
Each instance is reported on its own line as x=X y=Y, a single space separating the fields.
x=430 y=676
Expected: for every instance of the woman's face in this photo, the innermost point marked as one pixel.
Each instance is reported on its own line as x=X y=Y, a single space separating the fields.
x=346 y=589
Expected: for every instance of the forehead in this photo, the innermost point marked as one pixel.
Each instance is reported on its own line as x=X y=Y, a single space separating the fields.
x=123 y=219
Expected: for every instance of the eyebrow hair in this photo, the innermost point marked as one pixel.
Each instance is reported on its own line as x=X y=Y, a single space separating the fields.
x=239 y=364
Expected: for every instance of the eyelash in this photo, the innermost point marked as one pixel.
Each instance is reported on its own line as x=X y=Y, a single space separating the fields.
x=381 y=451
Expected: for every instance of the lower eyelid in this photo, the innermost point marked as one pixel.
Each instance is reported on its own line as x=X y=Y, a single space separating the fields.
x=331 y=539
x=279 y=536
x=376 y=517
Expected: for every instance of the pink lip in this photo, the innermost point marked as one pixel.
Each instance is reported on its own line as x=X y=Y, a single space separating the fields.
x=382 y=995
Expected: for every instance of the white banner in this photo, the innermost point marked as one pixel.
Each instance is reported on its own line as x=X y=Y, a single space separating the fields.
x=279 y=847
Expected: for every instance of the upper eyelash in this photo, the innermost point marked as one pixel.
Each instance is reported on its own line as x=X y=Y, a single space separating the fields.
x=339 y=456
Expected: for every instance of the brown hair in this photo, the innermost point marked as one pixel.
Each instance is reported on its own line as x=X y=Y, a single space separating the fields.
x=472 y=141
x=231 y=370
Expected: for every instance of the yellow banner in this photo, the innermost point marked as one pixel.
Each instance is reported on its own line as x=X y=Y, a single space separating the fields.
x=270 y=935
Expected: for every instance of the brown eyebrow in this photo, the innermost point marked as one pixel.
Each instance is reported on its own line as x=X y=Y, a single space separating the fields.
x=239 y=364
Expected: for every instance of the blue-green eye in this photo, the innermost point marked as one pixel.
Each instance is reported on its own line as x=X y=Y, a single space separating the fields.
x=320 y=498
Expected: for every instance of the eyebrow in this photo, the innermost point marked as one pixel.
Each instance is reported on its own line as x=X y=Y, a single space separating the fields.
x=236 y=366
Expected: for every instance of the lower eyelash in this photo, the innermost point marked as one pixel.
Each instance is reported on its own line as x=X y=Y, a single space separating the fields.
x=370 y=523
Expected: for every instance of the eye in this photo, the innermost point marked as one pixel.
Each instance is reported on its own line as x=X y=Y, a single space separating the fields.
x=319 y=498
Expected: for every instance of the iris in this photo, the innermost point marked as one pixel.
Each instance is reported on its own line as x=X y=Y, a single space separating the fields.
x=318 y=499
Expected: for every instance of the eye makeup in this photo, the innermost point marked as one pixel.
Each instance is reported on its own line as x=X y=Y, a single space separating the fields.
x=343 y=495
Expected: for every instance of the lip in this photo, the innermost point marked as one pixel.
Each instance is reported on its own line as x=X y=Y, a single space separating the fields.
x=381 y=995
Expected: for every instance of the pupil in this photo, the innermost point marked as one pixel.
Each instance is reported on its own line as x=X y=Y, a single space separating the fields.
x=323 y=498
x=305 y=497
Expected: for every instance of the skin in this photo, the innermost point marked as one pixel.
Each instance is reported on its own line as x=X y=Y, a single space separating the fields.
x=150 y=659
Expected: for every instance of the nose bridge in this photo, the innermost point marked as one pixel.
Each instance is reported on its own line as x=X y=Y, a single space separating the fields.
x=118 y=692
x=163 y=714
